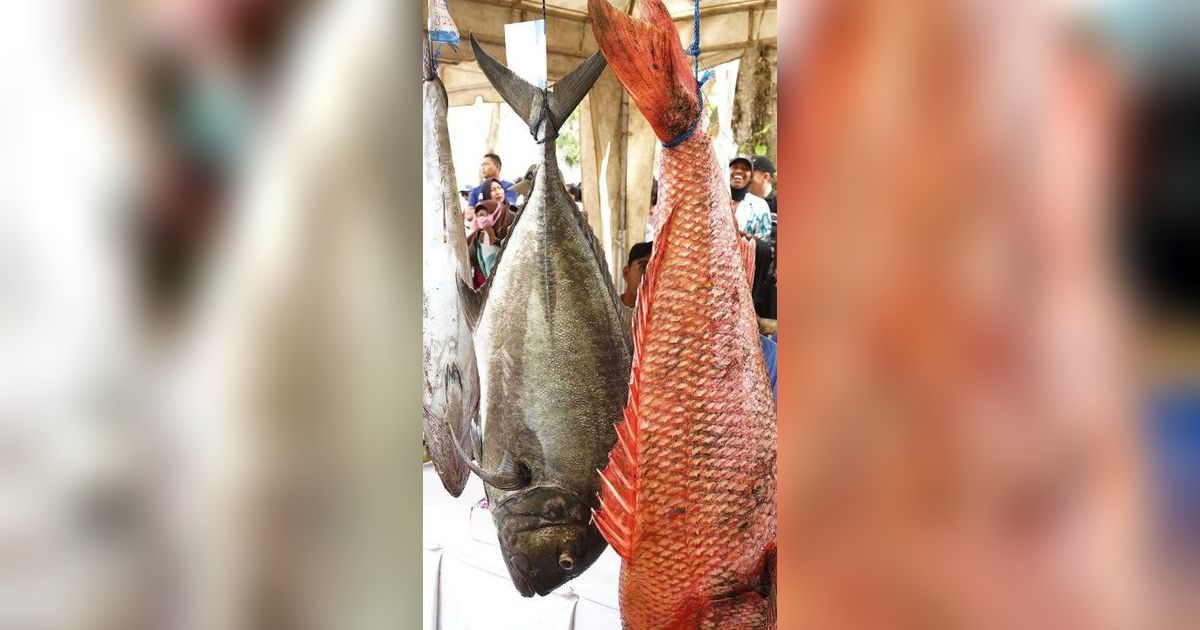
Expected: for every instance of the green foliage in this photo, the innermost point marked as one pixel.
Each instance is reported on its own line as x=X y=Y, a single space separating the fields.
x=757 y=144
x=568 y=140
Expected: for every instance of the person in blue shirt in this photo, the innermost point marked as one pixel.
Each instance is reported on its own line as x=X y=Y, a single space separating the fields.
x=489 y=168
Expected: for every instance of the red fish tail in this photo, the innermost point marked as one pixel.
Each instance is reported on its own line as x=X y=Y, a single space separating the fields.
x=647 y=57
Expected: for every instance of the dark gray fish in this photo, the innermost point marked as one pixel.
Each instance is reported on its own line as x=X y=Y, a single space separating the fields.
x=451 y=378
x=553 y=359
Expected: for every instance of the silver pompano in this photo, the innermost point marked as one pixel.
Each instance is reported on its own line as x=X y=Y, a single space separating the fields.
x=451 y=392
x=553 y=360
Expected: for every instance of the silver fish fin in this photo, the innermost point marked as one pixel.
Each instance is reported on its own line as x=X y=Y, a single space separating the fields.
x=566 y=95
x=529 y=102
x=602 y=261
x=523 y=97
x=510 y=475
x=471 y=302
x=476 y=439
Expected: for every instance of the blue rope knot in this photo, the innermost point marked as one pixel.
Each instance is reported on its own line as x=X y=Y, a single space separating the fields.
x=677 y=140
x=693 y=51
x=442 y=39
x=545 y=115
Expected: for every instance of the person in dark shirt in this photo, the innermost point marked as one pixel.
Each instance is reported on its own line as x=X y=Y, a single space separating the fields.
x=489 y=168
x=761 y=176
x=763 y=289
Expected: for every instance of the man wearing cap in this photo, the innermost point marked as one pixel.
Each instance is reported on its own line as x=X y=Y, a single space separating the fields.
x=753 y=215
x=754 y=219
x=762 y=171
x=489 y=168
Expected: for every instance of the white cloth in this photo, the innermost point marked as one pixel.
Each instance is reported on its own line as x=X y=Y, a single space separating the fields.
x=487 y=246
x=754 y=216
x=626 y=314
x=466 y=584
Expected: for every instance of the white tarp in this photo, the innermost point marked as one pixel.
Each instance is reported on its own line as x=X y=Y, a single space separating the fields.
x=727 y=28
x=467 y=587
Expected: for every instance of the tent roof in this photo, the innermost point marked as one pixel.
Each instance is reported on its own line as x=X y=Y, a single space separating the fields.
x=727 y=28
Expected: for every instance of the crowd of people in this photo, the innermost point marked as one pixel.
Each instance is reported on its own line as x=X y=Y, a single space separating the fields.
x=491 y=207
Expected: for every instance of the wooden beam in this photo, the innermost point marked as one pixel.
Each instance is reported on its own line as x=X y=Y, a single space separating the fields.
x=582 y=16
x=499 y=41
x=748 y=5
x=551 y=11
x=768 y=41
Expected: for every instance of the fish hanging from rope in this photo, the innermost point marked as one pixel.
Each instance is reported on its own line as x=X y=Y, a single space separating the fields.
x=689 y=490
x=553 y=358
x=451 y=378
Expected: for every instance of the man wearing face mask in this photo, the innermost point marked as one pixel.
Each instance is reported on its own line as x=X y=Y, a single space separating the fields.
x=753 y=215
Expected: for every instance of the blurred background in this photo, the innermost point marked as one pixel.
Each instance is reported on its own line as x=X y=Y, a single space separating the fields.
x=208 y=271
x=208 y=399
x=990 y=380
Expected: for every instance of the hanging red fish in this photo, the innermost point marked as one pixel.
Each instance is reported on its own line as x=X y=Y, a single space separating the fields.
x=689 y=498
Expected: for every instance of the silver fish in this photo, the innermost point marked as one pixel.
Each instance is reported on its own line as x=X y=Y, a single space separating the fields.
x=553 y=359
x=451 y=378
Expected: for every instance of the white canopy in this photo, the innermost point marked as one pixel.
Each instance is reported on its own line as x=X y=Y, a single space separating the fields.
x=729 y=28
x=617 y=146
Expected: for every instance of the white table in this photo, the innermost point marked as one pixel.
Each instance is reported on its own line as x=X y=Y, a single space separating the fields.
x=466 y=585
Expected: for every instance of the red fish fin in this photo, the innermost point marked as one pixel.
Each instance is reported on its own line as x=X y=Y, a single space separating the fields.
x=747 y=246
x=648 y=59
x=616 y=518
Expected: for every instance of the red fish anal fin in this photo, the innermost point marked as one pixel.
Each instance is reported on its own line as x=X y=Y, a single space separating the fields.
x=616 y=518
x=747 y=247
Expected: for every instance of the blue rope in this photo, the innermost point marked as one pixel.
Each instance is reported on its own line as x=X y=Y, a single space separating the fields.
x=442 y=38
x=545 y=115
x=694 y=52
x=694 y=49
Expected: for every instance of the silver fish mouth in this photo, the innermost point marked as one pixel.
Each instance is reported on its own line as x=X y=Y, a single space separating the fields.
x=502 y=503
x=517 y=572
x=546 y=538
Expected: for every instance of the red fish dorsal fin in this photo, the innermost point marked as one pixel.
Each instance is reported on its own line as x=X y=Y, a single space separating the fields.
x=616 y=517
x=748 y=246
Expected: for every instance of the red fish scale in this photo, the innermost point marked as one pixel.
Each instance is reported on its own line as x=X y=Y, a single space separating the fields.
x=705 y=478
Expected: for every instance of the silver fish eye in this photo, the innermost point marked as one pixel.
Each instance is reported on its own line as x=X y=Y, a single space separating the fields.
x=566 y=562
